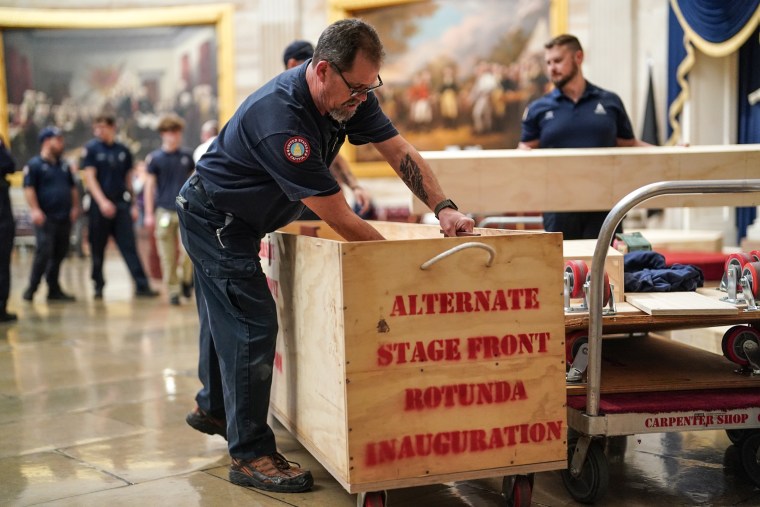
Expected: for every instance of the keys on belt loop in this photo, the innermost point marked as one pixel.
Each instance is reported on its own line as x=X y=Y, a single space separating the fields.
x=227 y=220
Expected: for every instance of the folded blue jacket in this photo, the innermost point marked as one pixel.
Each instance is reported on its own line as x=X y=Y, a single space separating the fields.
x=646 y=272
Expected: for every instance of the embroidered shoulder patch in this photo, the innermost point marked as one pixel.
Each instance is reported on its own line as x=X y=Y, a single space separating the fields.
x=297 y=149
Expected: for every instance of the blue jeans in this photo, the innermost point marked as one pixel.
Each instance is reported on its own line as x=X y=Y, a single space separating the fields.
x=238 y=322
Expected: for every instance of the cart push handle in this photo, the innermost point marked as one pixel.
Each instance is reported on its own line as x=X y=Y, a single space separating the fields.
x=600 y=253
x=471 y=244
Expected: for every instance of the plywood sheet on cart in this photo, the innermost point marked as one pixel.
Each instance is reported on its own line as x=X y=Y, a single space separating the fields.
x=679 y=303
x=648 y=363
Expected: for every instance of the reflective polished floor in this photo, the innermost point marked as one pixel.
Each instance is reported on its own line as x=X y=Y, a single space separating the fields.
x=93 y=396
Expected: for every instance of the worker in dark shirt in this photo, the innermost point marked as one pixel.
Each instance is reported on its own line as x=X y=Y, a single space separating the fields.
x=168 y=169
x=576 y=114
x=294 y=55
x=107 y=166
x=53 y=200
x=269 y=162
x=7 y=232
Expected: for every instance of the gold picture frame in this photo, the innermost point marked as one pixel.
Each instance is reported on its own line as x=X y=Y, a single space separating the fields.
x=219 y=16
x=339 y=9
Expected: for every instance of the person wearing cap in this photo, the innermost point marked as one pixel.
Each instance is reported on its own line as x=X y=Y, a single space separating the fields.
x=53 y=199
x=7 y=232
x=107 y=167
x=168 y=169
x=294 y=55
x=268 y=163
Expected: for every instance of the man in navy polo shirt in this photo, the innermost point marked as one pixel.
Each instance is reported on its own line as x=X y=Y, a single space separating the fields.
x=576 y=114
x=168 y=169
x=294 y=55
x=107 y=167
x=53 y=200
x=269 y=162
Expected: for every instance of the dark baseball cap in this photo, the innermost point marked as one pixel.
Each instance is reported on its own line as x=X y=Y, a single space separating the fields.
x=48 y=132
x=299 y=50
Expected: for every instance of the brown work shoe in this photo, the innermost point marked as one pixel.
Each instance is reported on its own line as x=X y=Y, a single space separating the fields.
x=201 y=421
x=271 y=473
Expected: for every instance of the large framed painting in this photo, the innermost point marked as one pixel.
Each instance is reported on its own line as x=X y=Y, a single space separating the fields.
x=63 y=67
x=458 y=73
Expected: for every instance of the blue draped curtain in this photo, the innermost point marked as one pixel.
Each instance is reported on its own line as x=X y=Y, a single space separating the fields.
x=749 y=114
x=717 y=28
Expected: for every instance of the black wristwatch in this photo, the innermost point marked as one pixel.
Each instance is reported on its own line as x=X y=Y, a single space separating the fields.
x=446 y=203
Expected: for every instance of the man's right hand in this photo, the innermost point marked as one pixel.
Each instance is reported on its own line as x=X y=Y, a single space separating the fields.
x=107 y=208
x=37 y=216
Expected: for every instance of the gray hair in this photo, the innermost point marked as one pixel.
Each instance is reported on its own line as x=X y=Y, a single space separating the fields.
x=342 y=40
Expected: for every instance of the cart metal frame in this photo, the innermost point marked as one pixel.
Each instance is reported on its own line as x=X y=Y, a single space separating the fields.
x=591 y=423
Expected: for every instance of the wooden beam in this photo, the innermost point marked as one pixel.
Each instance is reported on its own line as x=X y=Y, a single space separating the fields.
x=506 y=181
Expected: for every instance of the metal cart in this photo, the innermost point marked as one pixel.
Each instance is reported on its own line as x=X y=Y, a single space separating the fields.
x=731 y=406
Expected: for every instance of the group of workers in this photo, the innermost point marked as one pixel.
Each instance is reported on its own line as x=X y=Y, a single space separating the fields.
x=275 y=159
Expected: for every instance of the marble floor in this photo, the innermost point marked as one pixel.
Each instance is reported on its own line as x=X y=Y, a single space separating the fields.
x=93 y=396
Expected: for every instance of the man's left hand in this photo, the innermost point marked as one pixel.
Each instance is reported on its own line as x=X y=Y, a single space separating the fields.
x=452 y=221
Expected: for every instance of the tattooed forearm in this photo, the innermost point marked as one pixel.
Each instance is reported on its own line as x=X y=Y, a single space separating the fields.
x=410 y=173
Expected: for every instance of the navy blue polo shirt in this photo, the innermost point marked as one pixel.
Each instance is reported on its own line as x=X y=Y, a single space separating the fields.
x=52 y=181
x=597 y=120
x=171 y=170
x=112 y=163
x=276 y=150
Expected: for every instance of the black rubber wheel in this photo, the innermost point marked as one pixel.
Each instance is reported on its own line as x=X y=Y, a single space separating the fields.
x=733 y=343
x=738 y=436
x=750 y=457
x=591 y=484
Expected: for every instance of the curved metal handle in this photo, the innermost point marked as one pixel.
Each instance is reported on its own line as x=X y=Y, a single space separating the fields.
x=463 y=246
x=614 y=217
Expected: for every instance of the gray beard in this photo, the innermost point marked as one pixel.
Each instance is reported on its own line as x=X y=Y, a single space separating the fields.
x=341 y=116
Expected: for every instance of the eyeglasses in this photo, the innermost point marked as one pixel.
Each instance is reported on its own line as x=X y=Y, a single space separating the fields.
x=353 y=92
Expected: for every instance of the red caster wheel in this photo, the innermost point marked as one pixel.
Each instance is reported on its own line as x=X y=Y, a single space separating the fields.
x=372 y=499
x=573 y=343
x=733 y=343
x=754 y=256
x=578 y=271
x=518 y=490
x=607 y=288
x=738 y=259
x=751 y=270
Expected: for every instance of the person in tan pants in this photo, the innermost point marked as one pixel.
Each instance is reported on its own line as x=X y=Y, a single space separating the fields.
x=168 y=169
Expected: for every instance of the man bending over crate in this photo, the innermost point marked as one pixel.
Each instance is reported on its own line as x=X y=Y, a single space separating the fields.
x=268 y=162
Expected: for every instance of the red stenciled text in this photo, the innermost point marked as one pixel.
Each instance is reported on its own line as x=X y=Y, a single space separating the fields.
x=274 y=287
x=448 y=443
x=278 y=361
x=484 y=393
x=267 y=250
x=475 y=347
x=499 y=300
x=695 y=420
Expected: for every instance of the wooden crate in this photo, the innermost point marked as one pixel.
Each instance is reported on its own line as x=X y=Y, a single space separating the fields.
x=583 y=249
x=395 y=376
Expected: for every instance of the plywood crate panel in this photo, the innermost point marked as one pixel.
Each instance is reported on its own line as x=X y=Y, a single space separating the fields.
x=394 y=376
